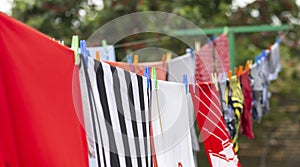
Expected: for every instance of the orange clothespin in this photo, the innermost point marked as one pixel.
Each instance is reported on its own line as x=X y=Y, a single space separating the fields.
x=235 y=71
x=163 y=60
x=229 y=75
x=247 y=66
x=97 y=56
x=135 y=62
x=240 y=70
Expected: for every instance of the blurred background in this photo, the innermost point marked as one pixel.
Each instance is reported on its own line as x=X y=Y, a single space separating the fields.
x=277 y=137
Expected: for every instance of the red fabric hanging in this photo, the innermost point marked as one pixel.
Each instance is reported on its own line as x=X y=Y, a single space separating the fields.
x=38 y=122
x=205 y=61
x=215 y=137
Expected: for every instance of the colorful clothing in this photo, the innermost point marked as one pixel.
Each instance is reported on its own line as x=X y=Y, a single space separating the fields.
x=217 y=143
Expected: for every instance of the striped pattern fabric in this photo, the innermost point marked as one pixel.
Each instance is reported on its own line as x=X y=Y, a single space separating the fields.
x=237 y=100
x=217 y=143
x=118 y=134
x=212 y=57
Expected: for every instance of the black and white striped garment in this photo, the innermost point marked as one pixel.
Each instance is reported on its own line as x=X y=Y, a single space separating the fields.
x=118 y=116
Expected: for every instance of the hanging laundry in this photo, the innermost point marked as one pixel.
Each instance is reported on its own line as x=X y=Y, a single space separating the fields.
x=212 y=57
x=194 y=138
x=274 y=64
x=237 y=101
x=227 y=106
x=160 y=68
x=180 y=65
x=172 y=139
x=38 y=123
x=119 y=115
x=261 y=95
x=246 y=118
x=217 y=143
x=106 y=52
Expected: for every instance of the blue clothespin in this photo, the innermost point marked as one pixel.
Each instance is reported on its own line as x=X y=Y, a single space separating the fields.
x=84 y=51
x=147 y=74
x=278 y=40
x=185 y=81
x=192 y=52
x=261 y=56
x=214 y=37
x=129 y=60
x=208 y=40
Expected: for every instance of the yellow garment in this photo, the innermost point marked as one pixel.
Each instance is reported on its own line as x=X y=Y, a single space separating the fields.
x=237 y=99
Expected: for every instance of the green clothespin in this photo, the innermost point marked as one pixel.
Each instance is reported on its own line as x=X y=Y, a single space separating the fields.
x=226 y=30
x=74 y=47
x=154 y=77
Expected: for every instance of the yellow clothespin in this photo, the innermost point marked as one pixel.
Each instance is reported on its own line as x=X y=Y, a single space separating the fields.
x=74 y=47
x=135 y=60
x=197 y=46
x=169 y=57
x=97 y=56
x=214 y=79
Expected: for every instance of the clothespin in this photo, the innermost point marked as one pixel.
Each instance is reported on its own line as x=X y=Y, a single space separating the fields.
x=229 y=74
x=192 y=52
x=163 y=60
x=247 y=66
x=240 y=70
x=214 y=79
x=74 y=47
x=147 y=74
x=185 y=81
x=154 y=77
x=104 y=45
x=226 y=30
x=84 y=51
x=235 y=71
x=169 y=57
x=278 y=39
x=197 y=46
x=192 y=80
x=135 y=62
x=97 y=56
x=208 y=40
x=129 y=60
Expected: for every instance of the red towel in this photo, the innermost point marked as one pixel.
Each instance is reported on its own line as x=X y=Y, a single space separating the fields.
x=38 y=122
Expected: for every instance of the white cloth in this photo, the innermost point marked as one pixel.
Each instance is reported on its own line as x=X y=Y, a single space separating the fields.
x=106 y=53
x=180 y=65
x=173 y=145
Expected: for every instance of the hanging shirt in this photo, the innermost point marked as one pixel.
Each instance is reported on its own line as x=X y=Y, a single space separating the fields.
x=259 y=73
x=119 y=115
x=274 y=64
x=237 y=100
x=246 y=118
x=170 y=120
x=217 y=143
x=212 y=57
